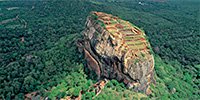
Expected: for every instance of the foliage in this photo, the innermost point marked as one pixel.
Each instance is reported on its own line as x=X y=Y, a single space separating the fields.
x=38 y=47
x=173 y=82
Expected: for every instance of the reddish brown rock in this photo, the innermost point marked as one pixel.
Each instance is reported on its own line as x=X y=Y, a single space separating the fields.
x=92 y=63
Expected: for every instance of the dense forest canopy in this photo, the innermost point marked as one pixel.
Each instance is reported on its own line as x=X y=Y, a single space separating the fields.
x=38 y=46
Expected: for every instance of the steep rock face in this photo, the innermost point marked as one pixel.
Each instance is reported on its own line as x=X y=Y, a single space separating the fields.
x=116 y=49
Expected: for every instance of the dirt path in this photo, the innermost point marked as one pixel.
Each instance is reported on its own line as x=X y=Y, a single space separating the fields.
x=9 y=20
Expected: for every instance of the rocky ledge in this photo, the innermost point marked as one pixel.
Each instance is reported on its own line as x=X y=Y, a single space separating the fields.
x=117 y=49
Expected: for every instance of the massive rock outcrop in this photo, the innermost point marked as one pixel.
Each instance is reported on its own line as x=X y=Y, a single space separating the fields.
x=116 y=49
